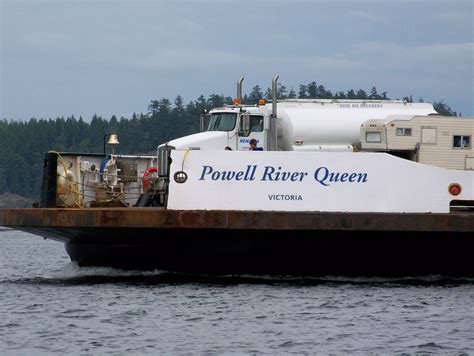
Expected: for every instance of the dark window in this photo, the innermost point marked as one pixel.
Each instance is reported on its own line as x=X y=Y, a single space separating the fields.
x=222 y=122
x=461 y=141
x=403 y=131
x=373 y=137
x=256 y=123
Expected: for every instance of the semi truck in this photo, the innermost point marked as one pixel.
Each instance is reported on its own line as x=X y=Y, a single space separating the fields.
x=325 y=125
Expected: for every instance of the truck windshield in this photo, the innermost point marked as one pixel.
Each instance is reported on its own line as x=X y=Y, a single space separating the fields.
x=223 y=121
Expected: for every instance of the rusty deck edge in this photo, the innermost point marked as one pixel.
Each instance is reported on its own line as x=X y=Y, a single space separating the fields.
x=157 y=218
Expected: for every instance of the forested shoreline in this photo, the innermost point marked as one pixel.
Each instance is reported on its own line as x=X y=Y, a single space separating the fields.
x=23 y=143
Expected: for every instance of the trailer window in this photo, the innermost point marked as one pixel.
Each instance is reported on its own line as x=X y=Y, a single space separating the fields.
x=403 y=131
x=222 y=121
x=461 y=141
x=373 y=137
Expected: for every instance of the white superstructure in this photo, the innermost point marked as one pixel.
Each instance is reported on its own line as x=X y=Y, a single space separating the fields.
x=313 y=181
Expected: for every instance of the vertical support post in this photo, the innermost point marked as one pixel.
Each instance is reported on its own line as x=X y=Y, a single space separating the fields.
x=164 y=161
x=49 y=182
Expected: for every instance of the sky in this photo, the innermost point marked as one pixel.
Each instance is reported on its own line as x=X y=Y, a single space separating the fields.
x=63 y=58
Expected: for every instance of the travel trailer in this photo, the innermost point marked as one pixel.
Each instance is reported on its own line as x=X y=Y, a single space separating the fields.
x=443 y=141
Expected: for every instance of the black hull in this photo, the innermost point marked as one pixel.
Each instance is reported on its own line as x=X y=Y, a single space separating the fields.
x=275 y=252
x=258 y=242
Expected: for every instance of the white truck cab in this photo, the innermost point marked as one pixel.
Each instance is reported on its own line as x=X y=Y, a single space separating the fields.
x=231 y=127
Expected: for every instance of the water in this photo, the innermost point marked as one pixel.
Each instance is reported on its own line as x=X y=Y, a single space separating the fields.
x=48 y=305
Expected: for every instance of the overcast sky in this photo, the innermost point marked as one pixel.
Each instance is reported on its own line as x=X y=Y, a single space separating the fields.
x=60 y=58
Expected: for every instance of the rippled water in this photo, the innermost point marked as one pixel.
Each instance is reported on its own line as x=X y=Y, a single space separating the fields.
x=48 y=305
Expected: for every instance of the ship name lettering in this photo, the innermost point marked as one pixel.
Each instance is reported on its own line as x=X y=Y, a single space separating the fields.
x=274 y=175
x=245 y=174
x=324 y=176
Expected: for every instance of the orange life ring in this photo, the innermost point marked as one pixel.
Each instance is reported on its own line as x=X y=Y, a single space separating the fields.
x=148 y=171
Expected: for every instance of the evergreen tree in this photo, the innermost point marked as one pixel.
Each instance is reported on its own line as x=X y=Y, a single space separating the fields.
x=351 y=94
x=292 y=94
x=340 y=95
x=373 y=93
x=216 y=101
x=282 y=93
x=268 y=94
x=313 y=91
x=323 y=93
x=361 y=94
x=254 y=95
x=444 y=109
x=303 y=92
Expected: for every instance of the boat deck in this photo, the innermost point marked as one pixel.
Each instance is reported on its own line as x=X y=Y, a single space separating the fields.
x=459 y=221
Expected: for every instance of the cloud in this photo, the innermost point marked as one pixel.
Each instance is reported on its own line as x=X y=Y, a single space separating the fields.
x=452 y=57
x=368 y=16
x=191 y=58
x=44 y=40
x=164 y=48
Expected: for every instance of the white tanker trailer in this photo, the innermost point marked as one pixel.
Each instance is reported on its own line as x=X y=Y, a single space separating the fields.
x=295 y=125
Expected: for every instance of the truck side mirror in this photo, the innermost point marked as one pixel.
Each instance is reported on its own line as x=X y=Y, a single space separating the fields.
x=204 y=121
x=244 y=128
x=266 y=123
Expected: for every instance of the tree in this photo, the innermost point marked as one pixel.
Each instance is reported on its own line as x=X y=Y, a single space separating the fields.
x=153 y=108
x=361 y=94
x=255 y=94
x=201 y=103
x=444 y=109
x=216 y=101
x=373 y=93
x=313 y=91
x=351 y=94
x=303 y=92
x=323 y=93
x=268 y=94
x=340 y=95
x=292 y=94
x=178 y=104
x=178 y=112
x=281 y=91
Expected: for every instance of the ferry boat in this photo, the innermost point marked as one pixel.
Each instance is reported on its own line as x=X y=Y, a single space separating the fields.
x=356 y=188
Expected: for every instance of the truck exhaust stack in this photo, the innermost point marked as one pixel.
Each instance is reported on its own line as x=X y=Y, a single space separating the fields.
x=239 y=88
x=272 y=135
